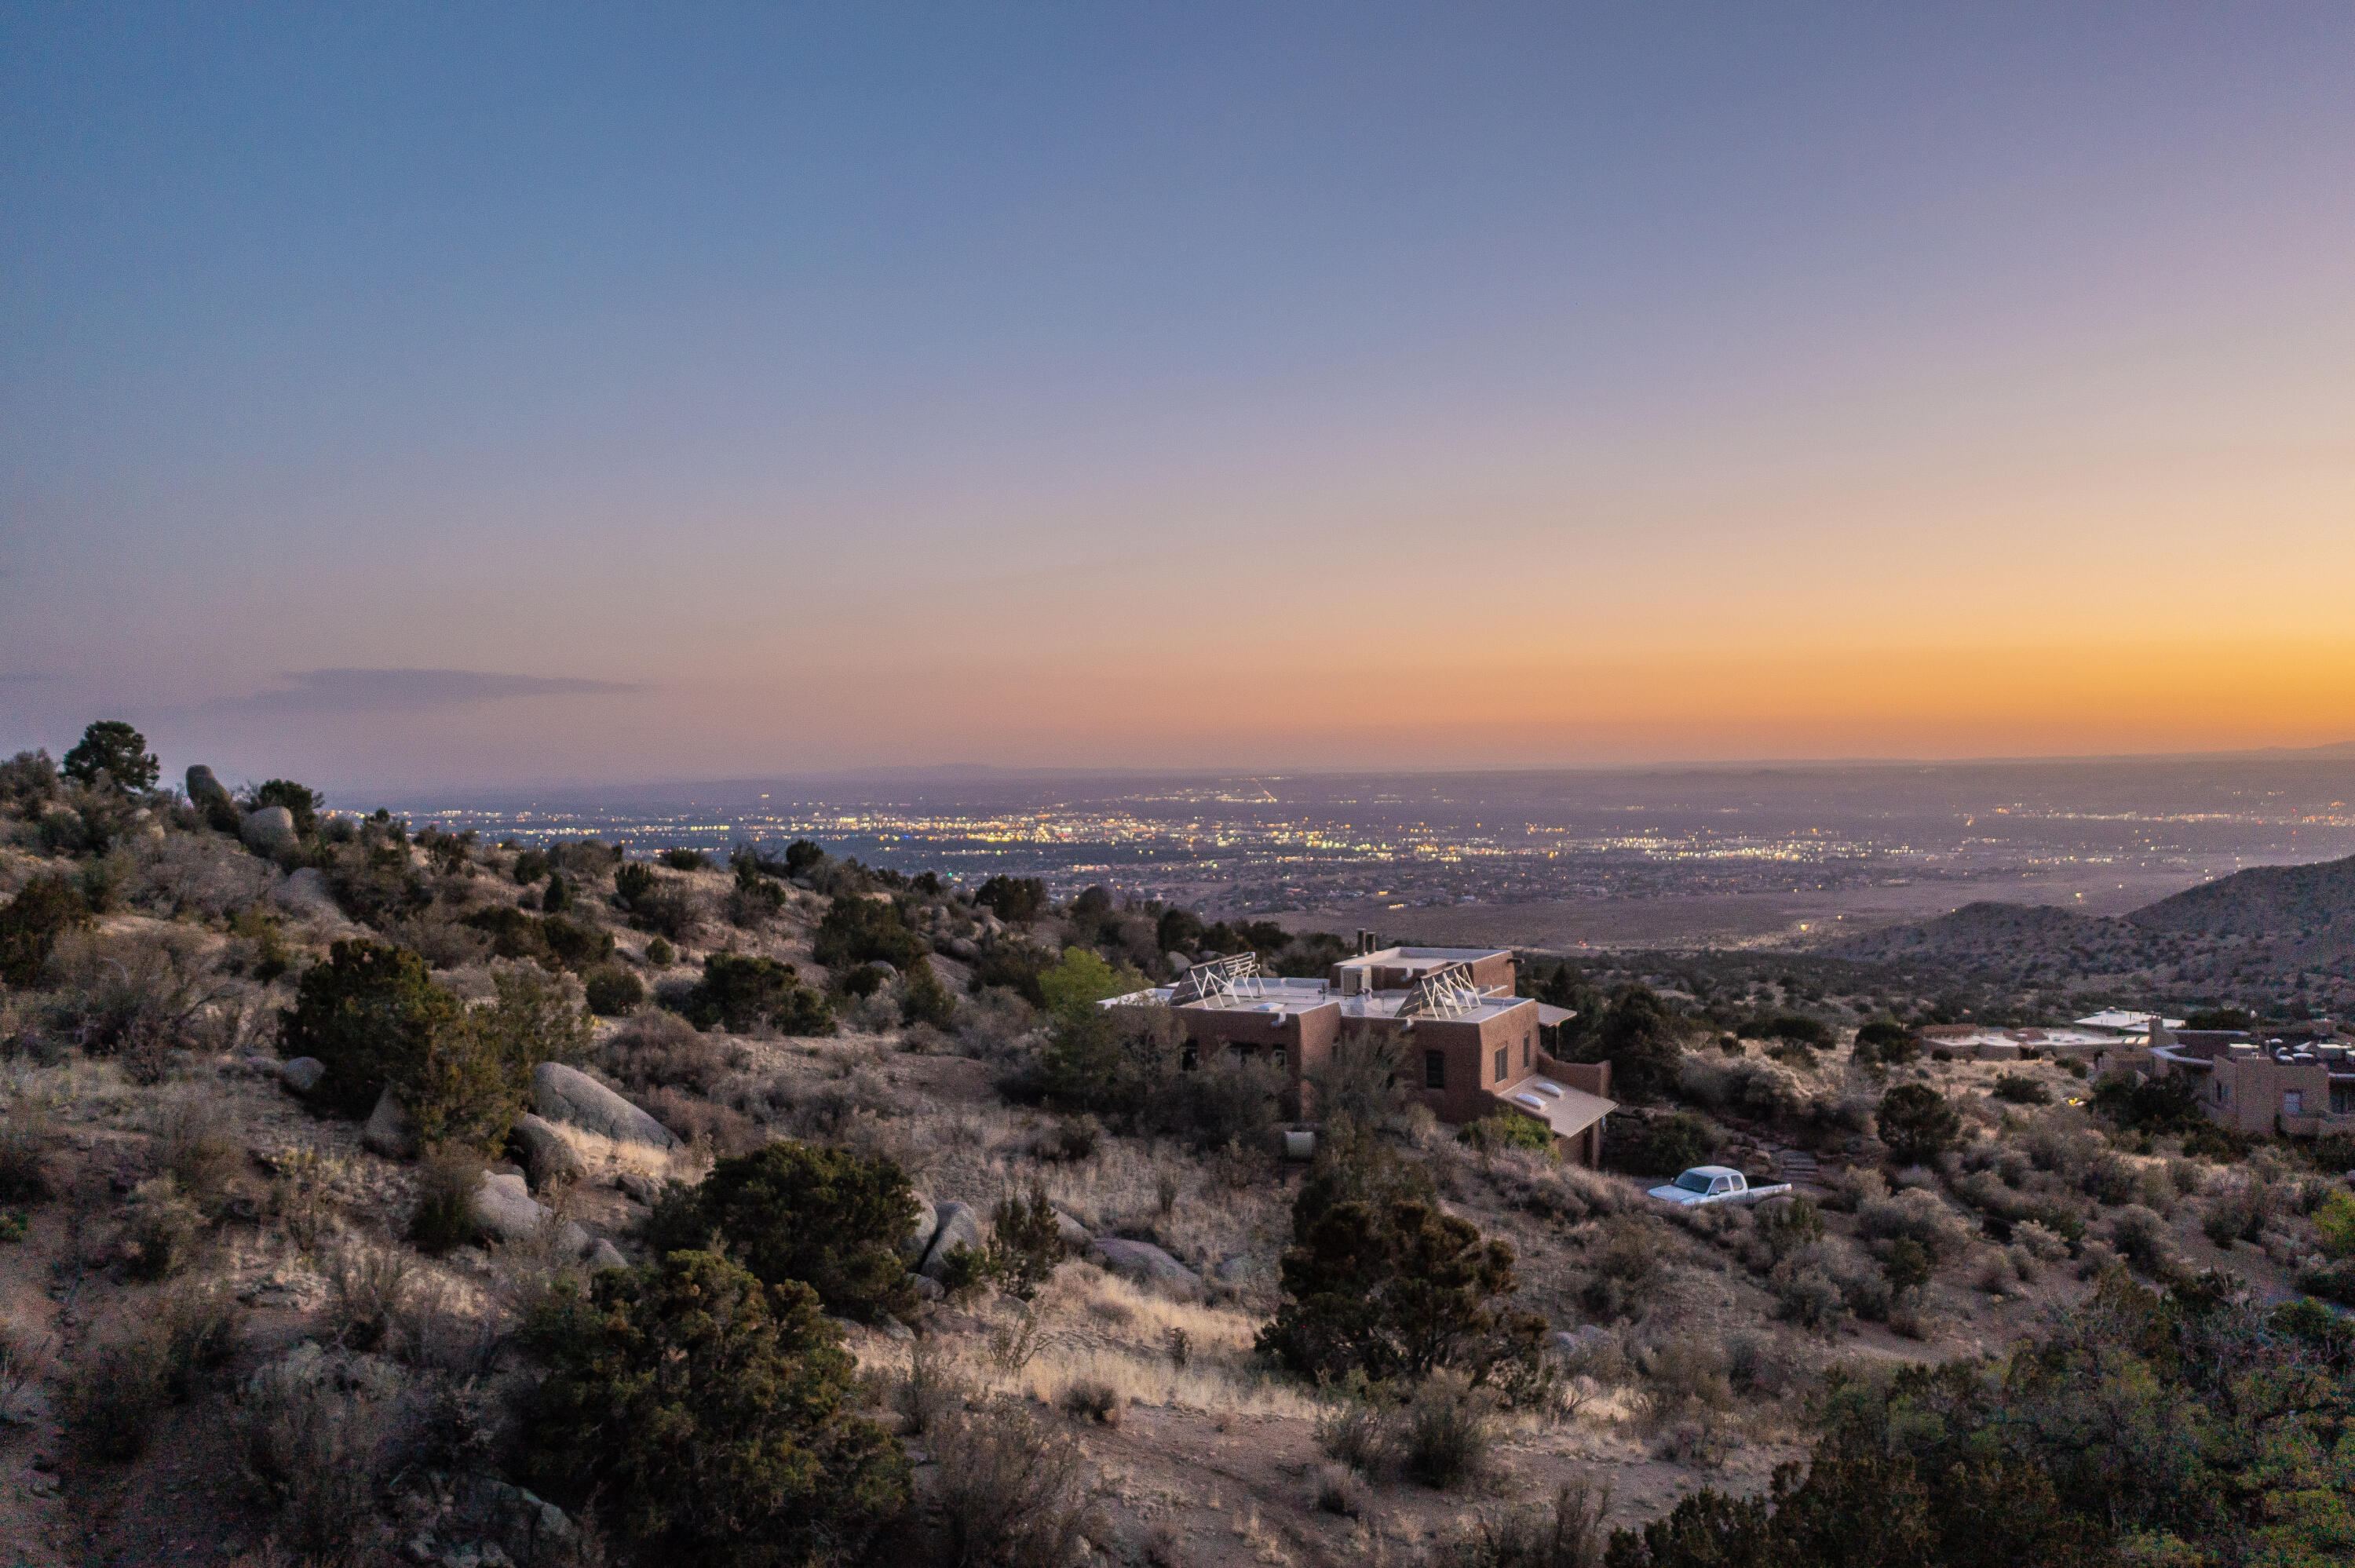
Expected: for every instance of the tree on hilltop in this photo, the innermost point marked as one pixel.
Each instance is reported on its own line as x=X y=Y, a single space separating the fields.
x=113 y=748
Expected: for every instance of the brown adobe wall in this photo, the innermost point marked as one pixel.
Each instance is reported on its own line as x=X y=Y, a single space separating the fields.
x=1305 y=1037
x=1497 y=970
x=1594 y=1077
x=1467 y=1050
x=2253 y=1090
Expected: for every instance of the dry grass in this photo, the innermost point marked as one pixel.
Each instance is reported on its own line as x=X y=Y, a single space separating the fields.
x=118 y=1388
x=367 y=1289
x=603 y=1158
x=24 y=1146
x=197 y=1325
x=1100 y=1335
x=202 y=874
x=1013 y=1492
x=316 y=1452
x=201 y=1146
x=929 y=1392
x=1090 y=1335
x=161 y=1231
x=1124 y=1183
x=303 y=1195
x=527 y=1271
x=447 y=1176
x=26 y=1359
x=446 y=1323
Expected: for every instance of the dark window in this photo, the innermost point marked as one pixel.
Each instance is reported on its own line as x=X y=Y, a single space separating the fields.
x=1434 y=1069
x=1277 y=1056
x=1525 y=1052
x=1501 y=1059
x=2342 y=1100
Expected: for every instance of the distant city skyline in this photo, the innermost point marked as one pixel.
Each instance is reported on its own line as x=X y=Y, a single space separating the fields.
x=451 y=400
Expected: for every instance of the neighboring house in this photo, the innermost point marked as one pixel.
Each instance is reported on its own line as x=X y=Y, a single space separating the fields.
x=2097 y=1048
x=2116 y=1022
x=2300 y=1081
x=1469 y=1047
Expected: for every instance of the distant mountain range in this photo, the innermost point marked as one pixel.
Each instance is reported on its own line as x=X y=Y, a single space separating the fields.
x=2258 y=933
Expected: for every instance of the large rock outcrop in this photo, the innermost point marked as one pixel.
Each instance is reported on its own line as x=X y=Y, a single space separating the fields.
x=504 y=1208
x=211 y=797
x=546 y=1157
x=566 y=1095
x=504 y=1211
x=959 y=1227
x=305 y=892
x=270 y=830
x=1146 y=1264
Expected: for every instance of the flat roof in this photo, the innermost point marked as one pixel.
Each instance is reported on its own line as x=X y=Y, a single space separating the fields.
x=1567 y=1112
x=1386 y=1004
x=1270 y=995
x=1434 y=957
x=2113 y=1018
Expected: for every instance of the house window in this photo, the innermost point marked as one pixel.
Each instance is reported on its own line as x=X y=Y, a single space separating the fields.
x=1525 y=1052
x=2220 y=1091
x=2342 y=1100
x=1501 y=1058
x=2293 y=1103
x=1434 y=1069
x=1277 y=1058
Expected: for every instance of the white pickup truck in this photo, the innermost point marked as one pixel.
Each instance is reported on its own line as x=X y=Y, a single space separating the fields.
x=1715 y=1184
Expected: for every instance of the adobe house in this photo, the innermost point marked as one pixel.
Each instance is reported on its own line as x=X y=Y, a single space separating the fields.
x=2301 y=1083
x=1468 y=1046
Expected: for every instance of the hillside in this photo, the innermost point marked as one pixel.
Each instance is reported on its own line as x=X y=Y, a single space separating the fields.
x=354 y=1179
x=2266 y=902
x=2270 y=933
x=1984 y=932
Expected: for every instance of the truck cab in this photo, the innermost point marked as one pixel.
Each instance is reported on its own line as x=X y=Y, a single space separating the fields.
x=1714 y=1184
x=1702 y=1182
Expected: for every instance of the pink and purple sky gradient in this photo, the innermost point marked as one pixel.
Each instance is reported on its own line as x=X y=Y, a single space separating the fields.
x=446 y=396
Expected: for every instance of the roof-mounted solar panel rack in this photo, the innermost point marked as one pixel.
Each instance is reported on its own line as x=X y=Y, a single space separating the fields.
x=1220 y=979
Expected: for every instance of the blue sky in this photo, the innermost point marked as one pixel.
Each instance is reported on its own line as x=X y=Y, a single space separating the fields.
x=710 y=389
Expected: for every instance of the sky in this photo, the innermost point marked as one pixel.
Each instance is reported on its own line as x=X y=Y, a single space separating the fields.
x=468 y=395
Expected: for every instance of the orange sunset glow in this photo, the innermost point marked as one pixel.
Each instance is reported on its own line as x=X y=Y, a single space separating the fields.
x=1539 y=395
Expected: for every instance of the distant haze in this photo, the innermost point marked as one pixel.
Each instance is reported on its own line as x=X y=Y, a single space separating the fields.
x=430 y=398
x=1633 y=857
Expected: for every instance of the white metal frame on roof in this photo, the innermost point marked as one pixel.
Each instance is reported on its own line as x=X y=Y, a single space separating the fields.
x=1443 y=993
x=1232 y=978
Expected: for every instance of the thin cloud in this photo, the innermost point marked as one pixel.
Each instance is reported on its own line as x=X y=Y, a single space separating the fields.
x=414 y=691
